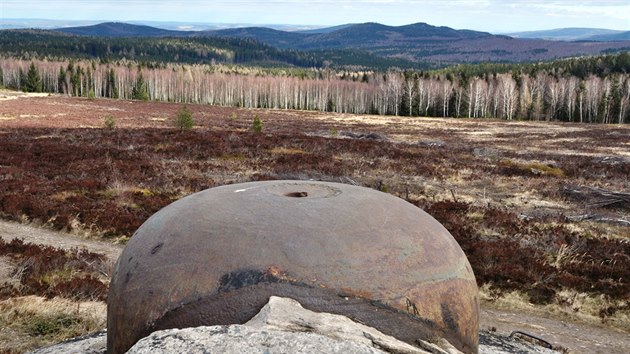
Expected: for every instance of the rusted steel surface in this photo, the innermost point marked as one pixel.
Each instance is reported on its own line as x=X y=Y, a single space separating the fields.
x=216 y=256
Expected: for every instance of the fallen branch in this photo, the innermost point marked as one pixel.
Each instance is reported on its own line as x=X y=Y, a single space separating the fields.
x=598 y=197
x=598 y=218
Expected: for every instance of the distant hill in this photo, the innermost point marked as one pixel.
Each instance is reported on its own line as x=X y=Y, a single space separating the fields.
x=30 y=23
x=272 y=37
x=326 y=29
x=118 y=29
x=566 y=34
x=370 y=35
x=576 y=34
x=621 y=36
x=364 y=35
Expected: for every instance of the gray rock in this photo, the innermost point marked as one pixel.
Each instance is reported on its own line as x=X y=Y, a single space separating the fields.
x=243 y=339
x=283 y=314
x=364 y=136
x=486 y=152
x=432 y=143
x=95 y=343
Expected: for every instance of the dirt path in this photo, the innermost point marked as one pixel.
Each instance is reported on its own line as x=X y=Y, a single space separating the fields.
x=9 y=231
x=577 y=337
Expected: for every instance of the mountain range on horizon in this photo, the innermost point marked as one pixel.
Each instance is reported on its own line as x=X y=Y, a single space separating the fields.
x=284 y=36
x=419 y=42
x=46 y=24
x=574 y=34
x=414 y=42
x=561 y=34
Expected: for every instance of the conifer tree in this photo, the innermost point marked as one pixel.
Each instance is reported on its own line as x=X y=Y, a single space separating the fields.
x=61 y=81
x=75 y=79
x=184 y=120
x=140 y=90
x=112 y=91
x=32 y=81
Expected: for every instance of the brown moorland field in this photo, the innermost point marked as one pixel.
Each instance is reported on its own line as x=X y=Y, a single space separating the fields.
x=541 y=209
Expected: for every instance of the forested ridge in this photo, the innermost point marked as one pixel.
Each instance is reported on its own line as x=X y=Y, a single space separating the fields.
x=46 y=44
x=593 y=89
x=41 y=44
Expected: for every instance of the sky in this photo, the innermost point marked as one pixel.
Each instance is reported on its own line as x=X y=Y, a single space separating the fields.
x=497 y=16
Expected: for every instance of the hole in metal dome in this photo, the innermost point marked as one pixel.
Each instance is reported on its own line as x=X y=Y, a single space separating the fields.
x=296 y=194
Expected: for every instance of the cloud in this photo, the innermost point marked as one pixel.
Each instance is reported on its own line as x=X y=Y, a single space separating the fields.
x=587 y=9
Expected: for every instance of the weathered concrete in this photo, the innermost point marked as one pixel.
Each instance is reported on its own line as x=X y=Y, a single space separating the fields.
x=215 y=258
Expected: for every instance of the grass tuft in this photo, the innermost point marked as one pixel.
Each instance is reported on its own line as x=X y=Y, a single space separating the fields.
x=509 y=167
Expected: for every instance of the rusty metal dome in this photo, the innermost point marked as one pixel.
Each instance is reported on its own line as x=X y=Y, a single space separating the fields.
x=215 y=257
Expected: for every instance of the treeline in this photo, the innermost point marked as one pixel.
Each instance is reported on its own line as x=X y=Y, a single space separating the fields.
x=581 y=67
x=513 y=95
x=152 y=51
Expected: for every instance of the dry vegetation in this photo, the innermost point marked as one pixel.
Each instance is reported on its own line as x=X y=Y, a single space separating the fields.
x=51 y=272
x=499 y=187
x=49 y=294
x=33 y=321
